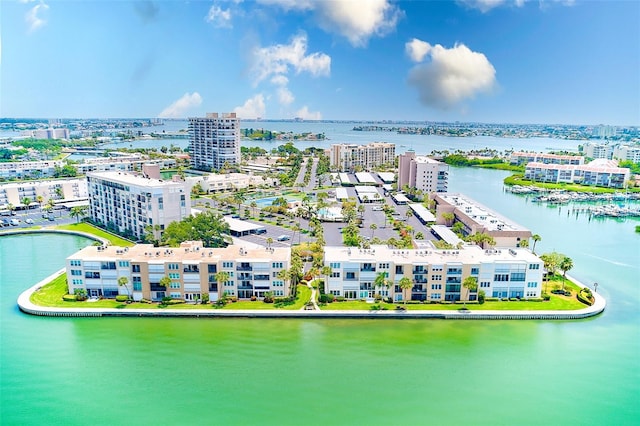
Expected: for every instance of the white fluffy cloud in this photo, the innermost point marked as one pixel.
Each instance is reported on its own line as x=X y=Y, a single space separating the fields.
x=219 y=17
x=486 y=5
x=451 y=75
x=285 y=97
x=179 y=108
x=305 y=114
x=417 y=49
x=279 y=59
x=358 y=21
x=252 y=108
x=34 y=17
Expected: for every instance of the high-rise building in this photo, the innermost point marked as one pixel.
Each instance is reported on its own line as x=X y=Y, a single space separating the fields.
x=129 y=203
x=214 y=140
x=423 y=173
x=349 y=157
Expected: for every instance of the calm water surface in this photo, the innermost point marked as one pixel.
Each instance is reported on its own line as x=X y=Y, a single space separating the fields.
x=70 y=371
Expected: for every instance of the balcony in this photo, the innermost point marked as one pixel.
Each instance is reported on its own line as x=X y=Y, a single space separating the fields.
x=244 y=268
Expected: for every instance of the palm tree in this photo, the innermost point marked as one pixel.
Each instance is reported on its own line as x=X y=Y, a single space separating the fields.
x=565 y=265
x=409 y=213
x=221 y=278
x=382 y=280
x=524 y=243
x=448 y=218
x=535 y=238
x=11 y=208
x=284 y=275
x=405 y=284
x=471 y=284
x=123 y=281
x=373 y=228
x=254 y=205
x=78 y=211
x=165 y=281
x=26 y=201
x=39 y=200
x=269 y=242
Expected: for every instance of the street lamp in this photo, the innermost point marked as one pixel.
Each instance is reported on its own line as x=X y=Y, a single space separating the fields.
x=595 y=287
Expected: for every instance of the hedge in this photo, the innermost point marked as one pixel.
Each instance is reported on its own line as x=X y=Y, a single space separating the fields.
x=69 y=297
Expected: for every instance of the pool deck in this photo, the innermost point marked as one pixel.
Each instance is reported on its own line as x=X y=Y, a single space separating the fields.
x=26 y=306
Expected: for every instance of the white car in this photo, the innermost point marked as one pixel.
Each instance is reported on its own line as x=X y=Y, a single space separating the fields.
x=29 y=221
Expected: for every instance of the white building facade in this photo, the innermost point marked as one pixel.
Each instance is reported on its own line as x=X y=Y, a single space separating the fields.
x=129 y=203
x=60 y=190
x=600 y=172
x=436 y=275
x=214 y=141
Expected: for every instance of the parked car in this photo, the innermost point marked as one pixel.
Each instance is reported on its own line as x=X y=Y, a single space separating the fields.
x=283 y=238
x=377 y=208
x=15 y=222
x=51 y=217
x=5 y=222
x=29 y=221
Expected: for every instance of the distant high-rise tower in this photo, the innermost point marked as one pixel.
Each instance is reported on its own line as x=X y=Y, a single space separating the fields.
x=214 y=140
x=422 y=173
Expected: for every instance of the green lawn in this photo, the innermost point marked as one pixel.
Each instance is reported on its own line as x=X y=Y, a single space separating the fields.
x=94 y=230
x=50 y=295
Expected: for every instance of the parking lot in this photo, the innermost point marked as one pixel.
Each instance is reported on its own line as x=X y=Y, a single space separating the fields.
x=35 y=217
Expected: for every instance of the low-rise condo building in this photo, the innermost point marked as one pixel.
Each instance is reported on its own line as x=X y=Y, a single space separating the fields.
x=127 y=163
x=193 y=270
x=600 y=172
x=351 y=157
x=421 y=172
x=29 y=169
x=477 y=218
x=130 y=203
x=627 y=153
x=59 y=190
x=537 y=157
x=230 y=181
x=435 y=275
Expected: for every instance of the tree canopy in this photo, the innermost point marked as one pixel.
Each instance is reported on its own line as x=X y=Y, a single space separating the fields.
x=208 y=227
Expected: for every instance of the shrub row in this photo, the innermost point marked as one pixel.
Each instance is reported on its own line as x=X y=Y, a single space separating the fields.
x=69 y=297
x=122 y=298
x=584 y=298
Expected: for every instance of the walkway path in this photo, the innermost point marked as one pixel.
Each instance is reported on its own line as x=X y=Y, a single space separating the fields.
x=313 y=299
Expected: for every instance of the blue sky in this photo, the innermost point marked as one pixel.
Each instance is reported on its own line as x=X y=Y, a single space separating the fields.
x=497 y=61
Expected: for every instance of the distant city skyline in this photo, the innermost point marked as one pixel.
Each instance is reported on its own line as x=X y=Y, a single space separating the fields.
x=485 y=61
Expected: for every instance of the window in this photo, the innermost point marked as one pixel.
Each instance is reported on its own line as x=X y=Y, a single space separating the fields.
x=135 y=268
x=335 y=275
x=173 y=266
x=277 y=265
x=436 y=277
x=76 y=263
x=334 y=265
x=350 y=276
x=534 y=266
x=517 y=276
x=475 y=271
x=174 y=285
x=436 y=296
x=501 y=277
x=485 y=284
x=175 y=295
x=399 y=269
x=436 y=286
x=137 y=286
x=383 y=266
x=76 y=282
x=123 y=264
x=532 y=285
x=335 y=292
x=76 y=272
x=227 y=264
x=174 y=276
x=531 y=294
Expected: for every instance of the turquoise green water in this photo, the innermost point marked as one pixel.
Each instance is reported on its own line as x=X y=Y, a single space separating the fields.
x=70 y=371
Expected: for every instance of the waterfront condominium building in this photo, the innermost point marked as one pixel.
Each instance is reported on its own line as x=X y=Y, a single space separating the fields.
x=436 y=275
x=421 y=172
x=352 y=157
x=531 y=157
x=214 y=140
x=477 y=218
x=626 y=153
x=599 y=172
x=129 y=203
x=192 y=269
x=59 y=190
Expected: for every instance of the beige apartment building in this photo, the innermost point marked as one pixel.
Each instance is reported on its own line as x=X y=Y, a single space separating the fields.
x=192 y=269
x=349 y=157
x=422 y=172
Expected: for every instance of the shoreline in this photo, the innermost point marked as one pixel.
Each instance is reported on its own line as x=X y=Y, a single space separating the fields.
x=26 y=306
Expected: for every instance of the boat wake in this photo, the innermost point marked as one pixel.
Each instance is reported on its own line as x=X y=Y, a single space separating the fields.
x=613 y=262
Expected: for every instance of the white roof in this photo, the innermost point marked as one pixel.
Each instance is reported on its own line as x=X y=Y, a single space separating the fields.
x=364 y=177
x=238 y=225
x=400 y=198
x=365 y=189
x=387 y=176
x=446 y=234
x=422 y=212
x=342 y=194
